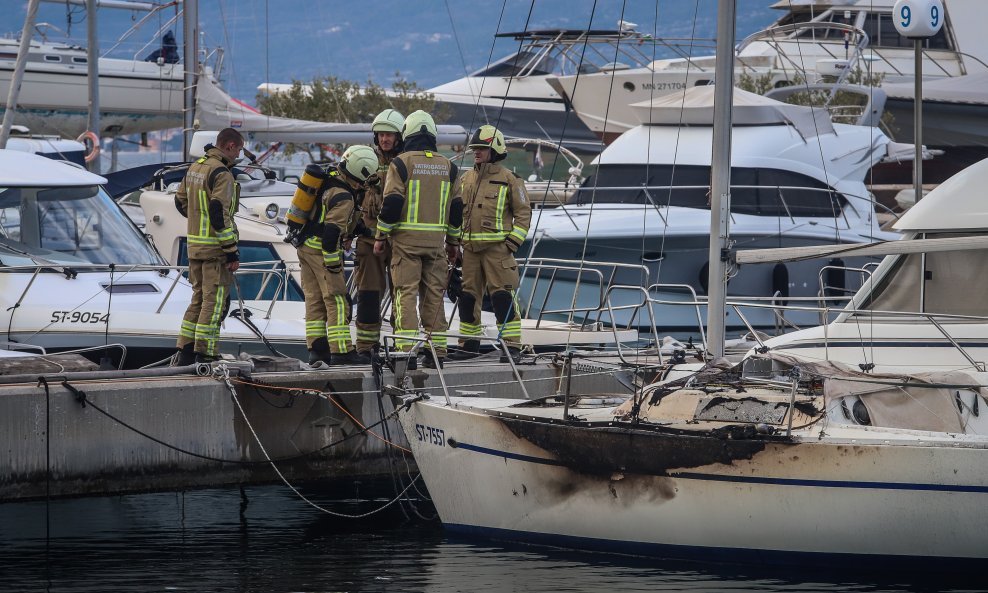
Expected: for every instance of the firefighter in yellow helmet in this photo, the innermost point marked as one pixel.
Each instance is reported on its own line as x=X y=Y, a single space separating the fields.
x=327 y=304
x=495 y=223
x=421 y=221
x=208 y=198
x=371 y=276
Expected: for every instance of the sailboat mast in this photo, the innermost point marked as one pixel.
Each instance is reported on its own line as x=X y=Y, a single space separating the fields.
x=190 y=13
x=720 y=177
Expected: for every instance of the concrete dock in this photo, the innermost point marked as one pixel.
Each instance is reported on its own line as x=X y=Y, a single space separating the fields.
x=96 y=433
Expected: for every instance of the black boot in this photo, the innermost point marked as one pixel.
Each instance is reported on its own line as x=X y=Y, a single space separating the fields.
x=185 y=356
x=429 y=362
x=349 y=358
x=205 y=358
x=319 y=352
x=470 y=349
x=515 y=355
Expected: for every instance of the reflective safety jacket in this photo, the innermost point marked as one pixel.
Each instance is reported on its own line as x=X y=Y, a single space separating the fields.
x=418 y=209
x=336 y=220
x=370 y=205
x=496 y=207
x=208 y=197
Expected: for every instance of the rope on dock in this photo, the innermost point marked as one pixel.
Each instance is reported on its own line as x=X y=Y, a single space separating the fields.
x=83 y=399
x=221 y=371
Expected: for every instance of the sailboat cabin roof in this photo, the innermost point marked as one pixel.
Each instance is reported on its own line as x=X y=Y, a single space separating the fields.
x=958 y=204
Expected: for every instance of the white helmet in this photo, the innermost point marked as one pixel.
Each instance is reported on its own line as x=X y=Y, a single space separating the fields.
x=359 y=162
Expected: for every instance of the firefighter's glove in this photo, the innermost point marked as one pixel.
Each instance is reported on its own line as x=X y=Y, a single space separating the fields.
x=455 y=288
x=361 y=230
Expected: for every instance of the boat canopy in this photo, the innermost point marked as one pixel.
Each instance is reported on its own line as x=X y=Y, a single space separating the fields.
x=957 y=204
x=695 y=107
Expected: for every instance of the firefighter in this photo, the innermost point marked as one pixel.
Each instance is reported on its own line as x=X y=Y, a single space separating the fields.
x=208 y=198
x=421 y=222
x=495 y=223
x=320 y=256
x=371 y=275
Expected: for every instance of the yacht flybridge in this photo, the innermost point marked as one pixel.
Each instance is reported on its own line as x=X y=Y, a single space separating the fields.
x=811 y=41
x=512 y=93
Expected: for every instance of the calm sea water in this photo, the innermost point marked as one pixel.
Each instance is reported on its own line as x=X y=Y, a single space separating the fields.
x=199 y=541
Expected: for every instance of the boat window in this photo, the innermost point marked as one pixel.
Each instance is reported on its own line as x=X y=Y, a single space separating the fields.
x=53 y=58
x=795 y=17
x=71 y=225
x=252 y=284
x=836 y=16
x=521 y=62
x=943 y=273
x=78 y=60
x=882 y=33
x=760 y=192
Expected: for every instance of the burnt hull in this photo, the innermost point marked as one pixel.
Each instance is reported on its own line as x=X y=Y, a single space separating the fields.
x=726 y=496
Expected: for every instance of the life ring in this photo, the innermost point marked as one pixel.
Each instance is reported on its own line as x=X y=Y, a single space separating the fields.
x=91 y=141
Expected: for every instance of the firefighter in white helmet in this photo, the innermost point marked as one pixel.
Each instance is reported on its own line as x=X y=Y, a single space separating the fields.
x=320 y=256
x=371 y=276
x=496 y=217
x=421 y=221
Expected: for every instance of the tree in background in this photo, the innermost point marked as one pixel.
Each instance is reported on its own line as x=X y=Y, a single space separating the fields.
x=331 y=99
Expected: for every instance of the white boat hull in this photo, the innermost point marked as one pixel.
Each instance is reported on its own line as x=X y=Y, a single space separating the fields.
x=135 y=97
x=859 y=497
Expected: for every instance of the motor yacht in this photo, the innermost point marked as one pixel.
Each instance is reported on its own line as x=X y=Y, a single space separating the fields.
x=811 y=41
x=797 y=178
x=77 y=273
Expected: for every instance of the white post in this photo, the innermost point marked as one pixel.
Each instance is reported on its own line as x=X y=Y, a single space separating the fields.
x=191 y=67
x=92 y=61
x=720 y=178
x=18 y=76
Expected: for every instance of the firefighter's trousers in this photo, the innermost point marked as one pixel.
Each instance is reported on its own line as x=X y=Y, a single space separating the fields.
x=491 y=268
x=419 y=275
x=210 y=303
x=371 y=278
x=327 y=306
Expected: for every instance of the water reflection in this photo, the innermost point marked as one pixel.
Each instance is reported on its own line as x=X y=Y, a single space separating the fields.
x=198 y=541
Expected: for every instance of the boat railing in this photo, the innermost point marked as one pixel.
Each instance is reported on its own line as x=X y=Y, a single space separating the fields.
x=832 y=283
x=808 y=304
x=400 y=358
x=854 y=41
x=596 y=277
x=276 y=271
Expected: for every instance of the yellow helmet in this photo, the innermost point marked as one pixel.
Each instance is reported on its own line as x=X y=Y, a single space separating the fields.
x=489 y=137
x=359 y=162
x=388 y=120
x=419 y=122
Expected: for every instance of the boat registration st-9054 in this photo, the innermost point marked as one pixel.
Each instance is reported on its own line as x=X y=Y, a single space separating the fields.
x=430 y=435
x=79 y=317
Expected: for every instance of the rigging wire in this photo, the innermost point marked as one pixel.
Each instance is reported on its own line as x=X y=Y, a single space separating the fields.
x=483 y=80
x=593 y=192
x=566 y=117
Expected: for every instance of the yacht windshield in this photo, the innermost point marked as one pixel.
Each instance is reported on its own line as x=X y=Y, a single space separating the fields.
x=69 y=225
x=760 y=192
x=531 y=63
